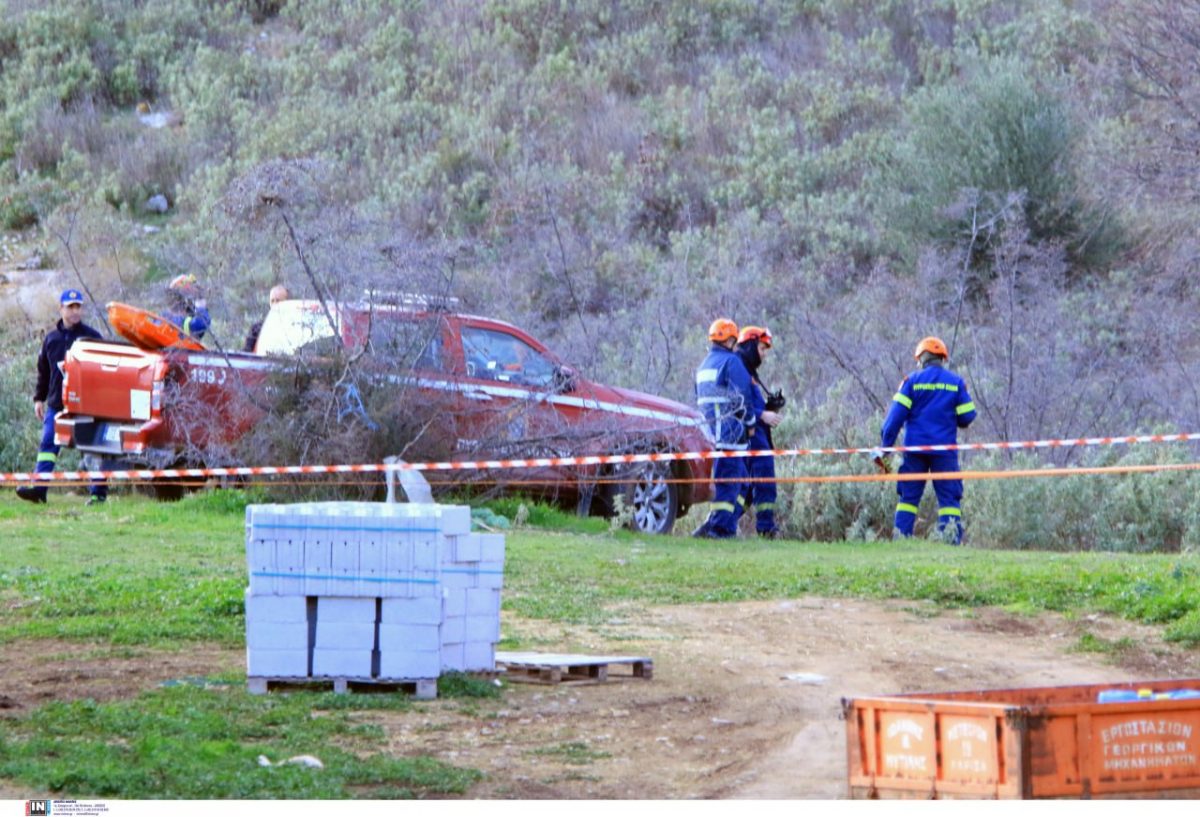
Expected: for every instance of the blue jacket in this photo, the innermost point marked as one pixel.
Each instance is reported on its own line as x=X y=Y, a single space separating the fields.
x=54 y=351
x=934 y=404
x=195 y=321
x=727 y=399
x=748 y=352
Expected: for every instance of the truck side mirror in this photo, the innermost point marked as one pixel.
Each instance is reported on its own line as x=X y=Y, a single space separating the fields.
x=565 y=379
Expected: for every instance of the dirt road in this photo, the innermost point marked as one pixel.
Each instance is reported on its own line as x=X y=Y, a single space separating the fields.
x=744 y=702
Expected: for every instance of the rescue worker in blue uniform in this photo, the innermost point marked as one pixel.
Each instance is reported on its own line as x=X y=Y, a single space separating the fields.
x=47 y=394
x=933 y=404
x=726 y=398
x=754 y=343
x=186 y=307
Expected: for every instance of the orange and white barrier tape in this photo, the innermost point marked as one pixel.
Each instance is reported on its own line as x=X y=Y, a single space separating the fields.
x=67 y=477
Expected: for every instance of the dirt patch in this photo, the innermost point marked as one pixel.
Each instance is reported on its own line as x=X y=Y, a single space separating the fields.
x=745 y=700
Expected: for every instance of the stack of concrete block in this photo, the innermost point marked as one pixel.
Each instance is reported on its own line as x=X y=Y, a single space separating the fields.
x=365 y=590
x=471 y=582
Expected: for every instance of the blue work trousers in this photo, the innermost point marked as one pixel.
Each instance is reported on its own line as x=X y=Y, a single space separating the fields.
x=47 y=459
x=760 y=496
x=949 y=492
x=729 y=500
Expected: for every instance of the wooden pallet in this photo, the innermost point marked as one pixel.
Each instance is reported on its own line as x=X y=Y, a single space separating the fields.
x=422 y=688
x=558 y=668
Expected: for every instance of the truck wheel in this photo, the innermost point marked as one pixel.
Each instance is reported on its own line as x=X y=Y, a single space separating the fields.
x=167 y=490
x=173 y=489
x=653 y=499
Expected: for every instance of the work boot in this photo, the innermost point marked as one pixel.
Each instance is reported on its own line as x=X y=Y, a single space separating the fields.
x=96 y=500
x=31 y=494
x=773 y=533
x=703 y=532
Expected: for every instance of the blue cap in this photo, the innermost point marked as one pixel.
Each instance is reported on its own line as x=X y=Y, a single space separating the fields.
x=71 y=296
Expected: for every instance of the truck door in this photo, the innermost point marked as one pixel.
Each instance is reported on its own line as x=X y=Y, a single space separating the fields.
x=512 y=388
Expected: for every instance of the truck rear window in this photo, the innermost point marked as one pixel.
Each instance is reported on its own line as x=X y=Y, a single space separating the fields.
x=398 y=339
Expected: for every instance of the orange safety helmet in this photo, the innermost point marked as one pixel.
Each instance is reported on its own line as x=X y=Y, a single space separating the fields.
x=758 y=333
x=932 y=345
x=182 y=283
x=721 y=330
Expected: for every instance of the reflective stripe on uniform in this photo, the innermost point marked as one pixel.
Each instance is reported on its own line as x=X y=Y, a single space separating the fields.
x=902 y=400
x=764 y=506
x=964 y=408
x=46 y=456
x=722 y=506
x=949 y=512
x=706 y=376
x=187 y=326
x=741 y=500
x=934 y=387
x=704 y=401
x=904 y=507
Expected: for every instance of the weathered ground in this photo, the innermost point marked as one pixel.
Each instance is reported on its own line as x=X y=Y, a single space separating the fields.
x=721 y=717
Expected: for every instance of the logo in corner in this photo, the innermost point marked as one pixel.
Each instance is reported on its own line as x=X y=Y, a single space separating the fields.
x=37 y=808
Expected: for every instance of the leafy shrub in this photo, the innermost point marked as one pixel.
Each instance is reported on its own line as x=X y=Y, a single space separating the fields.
x=17 y=213
x=971 y=146
x=18 y=446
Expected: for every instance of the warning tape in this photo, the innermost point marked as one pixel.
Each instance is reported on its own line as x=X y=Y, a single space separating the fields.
x=70 y=477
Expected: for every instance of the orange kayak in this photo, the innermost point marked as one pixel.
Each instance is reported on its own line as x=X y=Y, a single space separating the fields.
x=146 y=330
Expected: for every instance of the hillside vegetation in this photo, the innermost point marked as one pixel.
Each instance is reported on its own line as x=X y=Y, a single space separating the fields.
x=1017 y=177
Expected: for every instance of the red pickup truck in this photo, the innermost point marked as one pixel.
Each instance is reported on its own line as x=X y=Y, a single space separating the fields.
x=486 y=389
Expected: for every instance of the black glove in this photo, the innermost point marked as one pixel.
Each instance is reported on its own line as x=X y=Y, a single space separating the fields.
x=776 y=400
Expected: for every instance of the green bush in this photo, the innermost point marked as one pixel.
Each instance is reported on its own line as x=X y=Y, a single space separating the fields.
x=18 y=446
x=17 y=213
x=972 y=146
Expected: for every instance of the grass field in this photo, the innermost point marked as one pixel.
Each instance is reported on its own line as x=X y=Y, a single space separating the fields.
x=136 y=574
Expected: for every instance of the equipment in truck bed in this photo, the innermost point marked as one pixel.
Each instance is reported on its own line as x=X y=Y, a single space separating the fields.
x=147 y=330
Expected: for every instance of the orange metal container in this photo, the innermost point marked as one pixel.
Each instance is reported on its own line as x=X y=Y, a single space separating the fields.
x=1044 y=742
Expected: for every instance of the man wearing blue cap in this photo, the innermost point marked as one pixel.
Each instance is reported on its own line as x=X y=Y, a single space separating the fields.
x=47 y=397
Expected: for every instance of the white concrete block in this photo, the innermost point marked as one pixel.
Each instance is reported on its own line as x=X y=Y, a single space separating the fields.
x=454 y=601
x=482 y=602
x=277 y=663
x=345 y=635
x=454 y=519
x=317 y=557
x=372 y=566
x=409 y=638
x=466 y=548
x=269 y=607
x=454 y=630
x=492 y=547
x=426 y=610
x=343 y=564
x=479 y=656
x=426 y=553
x=332 y=663
x=409 y=665
x=260 y=560
x=289 y=567
x=275 y=635
x=334 y=609
x=453 y=657
x=398 y=557
x=482 y=628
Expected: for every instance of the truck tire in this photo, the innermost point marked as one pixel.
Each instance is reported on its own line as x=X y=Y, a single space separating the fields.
x=653 y=498
x=173 y=489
